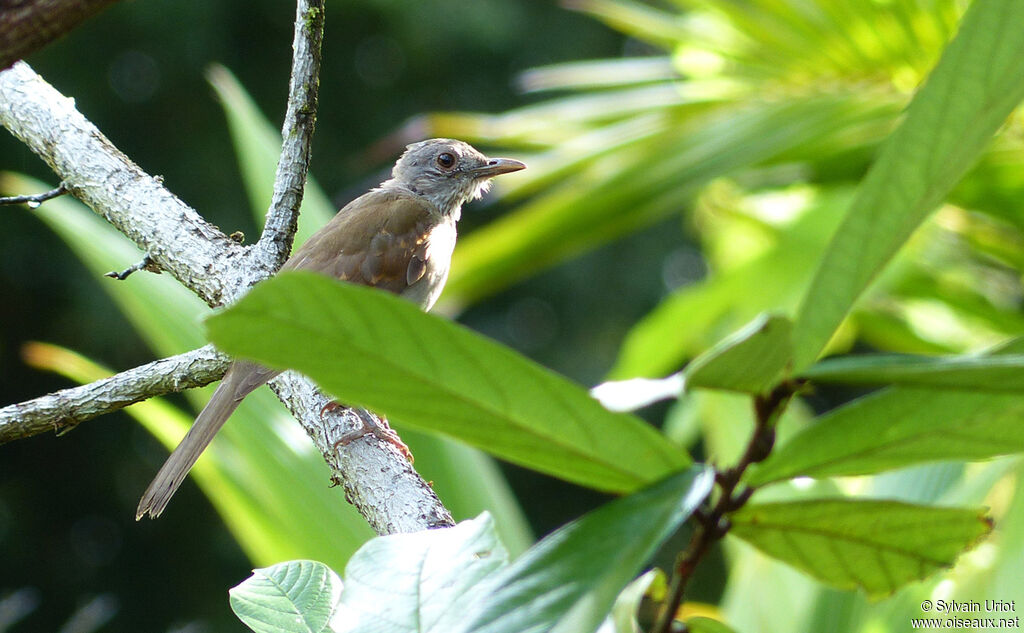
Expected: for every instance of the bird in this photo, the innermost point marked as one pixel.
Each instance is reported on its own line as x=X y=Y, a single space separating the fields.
x=398 y=237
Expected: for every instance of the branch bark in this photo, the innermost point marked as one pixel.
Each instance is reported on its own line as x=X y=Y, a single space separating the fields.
x=64 y=410
x=27 y=25
x=376 y=477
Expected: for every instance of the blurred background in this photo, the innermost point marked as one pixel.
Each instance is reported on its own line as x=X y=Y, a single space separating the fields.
x=688 y=163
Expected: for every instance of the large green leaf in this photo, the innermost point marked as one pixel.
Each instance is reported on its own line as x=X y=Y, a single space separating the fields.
x=878 y=546
x=568 y=582
x=977 y=83
x=1001 y=373
x=295 y=597
x=750 y=360
x=375 y=350
x=901 y=426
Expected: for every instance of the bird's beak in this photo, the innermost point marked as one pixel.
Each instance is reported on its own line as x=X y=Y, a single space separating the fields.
x=496 y=167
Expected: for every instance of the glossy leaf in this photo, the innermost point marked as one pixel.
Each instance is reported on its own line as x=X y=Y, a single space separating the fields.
x=947 y=125
x=375 y=350
x=294 y=597
x=751 y=360
x=568 y=582
x=878 y=546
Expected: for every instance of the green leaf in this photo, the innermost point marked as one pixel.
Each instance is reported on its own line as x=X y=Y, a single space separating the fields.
x=975 y=86
x=751 y=360
x=568 y=582
x=901 y=426
x=293 y=597
x=421 y=582
x=878 y=546
x=378 y=351
x=1000 y=373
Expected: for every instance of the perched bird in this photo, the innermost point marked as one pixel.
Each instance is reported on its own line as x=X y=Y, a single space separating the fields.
x=398 y=237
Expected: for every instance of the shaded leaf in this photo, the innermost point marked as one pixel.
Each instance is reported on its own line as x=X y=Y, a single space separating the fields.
x=293 y=597
x=568 y=582
x=751 y=360
x=375 y=350
x=977 y=83
x=878 y=546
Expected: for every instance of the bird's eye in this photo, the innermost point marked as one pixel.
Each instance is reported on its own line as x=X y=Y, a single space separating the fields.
x=446 y=160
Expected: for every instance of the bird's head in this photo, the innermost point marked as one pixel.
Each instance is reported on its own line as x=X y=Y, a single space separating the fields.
x=448 y=172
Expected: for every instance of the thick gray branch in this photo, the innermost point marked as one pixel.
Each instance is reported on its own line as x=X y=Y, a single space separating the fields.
x=62 y=411
x=297 y=131
x=377 y=478
x=176 y=238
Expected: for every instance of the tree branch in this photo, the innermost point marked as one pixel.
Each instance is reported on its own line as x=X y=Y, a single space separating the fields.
x=297 y=132
x=376 y=477
x=26 y=25
x=177 y=239
x=64 y=410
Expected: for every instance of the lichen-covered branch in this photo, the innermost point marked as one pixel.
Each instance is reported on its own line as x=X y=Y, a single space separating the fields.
x=297 y=132
x=63 y=410
x=378 y=480
x=176 y=238
x=27 y=25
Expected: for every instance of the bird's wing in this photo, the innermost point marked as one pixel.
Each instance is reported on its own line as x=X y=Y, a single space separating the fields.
x=395 y=257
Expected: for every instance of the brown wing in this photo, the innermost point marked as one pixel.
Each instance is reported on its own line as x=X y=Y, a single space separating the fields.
x=393 y=258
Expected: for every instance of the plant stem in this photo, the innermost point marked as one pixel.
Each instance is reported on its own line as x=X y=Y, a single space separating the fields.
x=714 y=524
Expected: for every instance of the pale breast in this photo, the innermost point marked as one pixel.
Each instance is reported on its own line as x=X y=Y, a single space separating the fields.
x=440 y=244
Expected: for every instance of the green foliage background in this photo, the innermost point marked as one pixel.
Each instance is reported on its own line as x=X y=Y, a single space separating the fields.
x=674 y=193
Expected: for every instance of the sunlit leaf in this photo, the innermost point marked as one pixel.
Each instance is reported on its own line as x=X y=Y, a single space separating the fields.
x=422 y=582
x=878 y=546
x=947 y=125
x=293 y=597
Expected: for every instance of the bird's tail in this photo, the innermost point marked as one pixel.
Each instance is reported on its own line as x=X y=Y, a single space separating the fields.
x=237 y=383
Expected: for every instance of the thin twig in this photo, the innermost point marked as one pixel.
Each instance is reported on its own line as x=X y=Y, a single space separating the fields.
x=297 y=132
x=35 y=200
x=63 y=410
x=713 y=524
x=146 y=263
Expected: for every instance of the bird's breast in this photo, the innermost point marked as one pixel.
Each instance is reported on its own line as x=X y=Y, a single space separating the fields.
x=440 y=243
